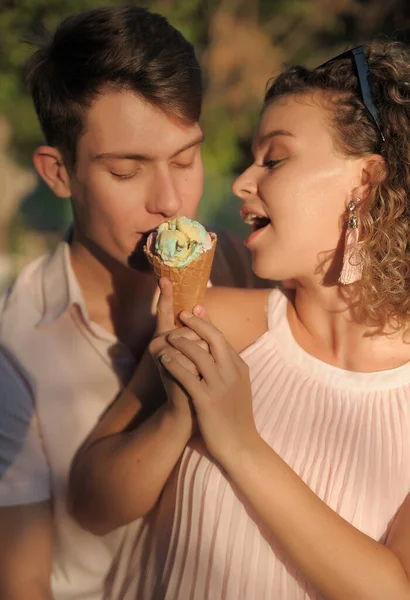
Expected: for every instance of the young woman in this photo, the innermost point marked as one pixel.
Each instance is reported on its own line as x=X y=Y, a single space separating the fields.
x=295 y=483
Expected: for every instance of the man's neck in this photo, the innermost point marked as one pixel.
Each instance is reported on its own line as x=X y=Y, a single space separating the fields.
x=117 y=298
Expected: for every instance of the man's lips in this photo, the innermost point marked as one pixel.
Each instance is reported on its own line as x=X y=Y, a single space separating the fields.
x=144 y=235
x=147 y=232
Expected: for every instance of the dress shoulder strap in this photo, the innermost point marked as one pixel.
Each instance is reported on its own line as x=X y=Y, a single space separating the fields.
x=276 y=307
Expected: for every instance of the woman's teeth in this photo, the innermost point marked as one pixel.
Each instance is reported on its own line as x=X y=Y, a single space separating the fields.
x=255 y=221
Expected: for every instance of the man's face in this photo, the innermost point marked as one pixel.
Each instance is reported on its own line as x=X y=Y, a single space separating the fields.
x=135 y=169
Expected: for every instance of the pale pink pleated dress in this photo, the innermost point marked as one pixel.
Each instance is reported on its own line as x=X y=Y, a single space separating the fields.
x=346 y=434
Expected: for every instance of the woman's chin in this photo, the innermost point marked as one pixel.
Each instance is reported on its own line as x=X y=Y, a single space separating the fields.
x=265 y=271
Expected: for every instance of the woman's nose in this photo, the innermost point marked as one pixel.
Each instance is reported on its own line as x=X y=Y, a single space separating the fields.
x=245 y=185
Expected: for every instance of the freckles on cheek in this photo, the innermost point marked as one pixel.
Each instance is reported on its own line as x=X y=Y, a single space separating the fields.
x=303 y=203
x=319 y=199
x=309 y=208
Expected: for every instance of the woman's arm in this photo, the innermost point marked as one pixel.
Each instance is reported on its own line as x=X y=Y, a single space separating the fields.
x=239 y=313
x=340 y=561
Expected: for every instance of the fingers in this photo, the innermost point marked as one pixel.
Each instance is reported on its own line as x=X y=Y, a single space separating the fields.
x=159 y=343
x=183 y=376
x=188 y=334
x=159 y=346
x=181 y=358
x=218 y=346
x=165 y=307
x=202 y=360
x=166 y=323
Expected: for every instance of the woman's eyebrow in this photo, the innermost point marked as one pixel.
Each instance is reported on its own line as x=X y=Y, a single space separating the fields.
x=262 y=141
x=275 y=133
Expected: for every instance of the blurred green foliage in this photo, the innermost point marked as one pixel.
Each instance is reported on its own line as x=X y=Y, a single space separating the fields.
x=240 y=43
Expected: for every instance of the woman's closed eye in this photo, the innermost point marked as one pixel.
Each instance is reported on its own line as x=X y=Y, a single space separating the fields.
x=271 y=164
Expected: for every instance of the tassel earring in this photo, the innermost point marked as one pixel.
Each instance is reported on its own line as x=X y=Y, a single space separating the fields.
x=352 y=260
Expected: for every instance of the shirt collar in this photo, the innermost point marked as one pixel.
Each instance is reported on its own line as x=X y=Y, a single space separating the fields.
x=60 y=286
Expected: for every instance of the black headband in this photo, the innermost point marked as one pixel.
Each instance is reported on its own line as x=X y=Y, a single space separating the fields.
x=364 y=77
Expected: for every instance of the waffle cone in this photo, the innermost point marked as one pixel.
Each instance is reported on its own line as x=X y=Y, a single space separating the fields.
x=189 y=283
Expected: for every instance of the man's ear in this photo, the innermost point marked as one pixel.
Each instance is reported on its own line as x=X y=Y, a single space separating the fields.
x=49 y=164
x=373 y=172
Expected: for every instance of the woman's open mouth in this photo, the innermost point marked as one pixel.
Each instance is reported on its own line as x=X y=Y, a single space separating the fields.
x=255 y=221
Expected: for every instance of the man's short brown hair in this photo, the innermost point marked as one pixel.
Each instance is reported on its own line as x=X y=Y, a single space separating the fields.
x=117 y=47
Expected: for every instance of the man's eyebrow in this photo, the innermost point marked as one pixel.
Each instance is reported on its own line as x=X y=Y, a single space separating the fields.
x=144 y=157
x=198 y=140
x=124 y=155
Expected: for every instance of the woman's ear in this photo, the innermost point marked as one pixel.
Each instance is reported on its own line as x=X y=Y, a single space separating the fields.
x=49 y=164
x=373 y=172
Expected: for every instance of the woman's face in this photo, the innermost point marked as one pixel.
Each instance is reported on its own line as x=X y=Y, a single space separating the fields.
x=301 y=184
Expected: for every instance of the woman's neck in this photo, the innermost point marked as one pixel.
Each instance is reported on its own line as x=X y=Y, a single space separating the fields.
x=325 y=324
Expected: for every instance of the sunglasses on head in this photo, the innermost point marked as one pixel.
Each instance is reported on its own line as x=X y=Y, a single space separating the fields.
x=364 y=77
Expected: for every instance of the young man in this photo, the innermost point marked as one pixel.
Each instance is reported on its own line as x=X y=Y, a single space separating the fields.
x=118 y=95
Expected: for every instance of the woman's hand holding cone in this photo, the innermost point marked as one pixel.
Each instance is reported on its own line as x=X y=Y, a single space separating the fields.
x=221 y=396
x=159 y=347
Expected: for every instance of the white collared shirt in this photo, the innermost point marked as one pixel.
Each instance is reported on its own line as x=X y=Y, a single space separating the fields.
x=58 y=375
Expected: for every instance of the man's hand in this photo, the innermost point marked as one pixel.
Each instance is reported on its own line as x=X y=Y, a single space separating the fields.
x=120 y=472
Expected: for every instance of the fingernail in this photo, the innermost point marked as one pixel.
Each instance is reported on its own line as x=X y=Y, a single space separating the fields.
x=161 y=283
x=165 y=358
x=174 y=336
x=186 y=314
x=199 y=310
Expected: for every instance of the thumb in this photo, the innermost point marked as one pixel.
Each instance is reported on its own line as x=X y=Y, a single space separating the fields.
x=165 y=307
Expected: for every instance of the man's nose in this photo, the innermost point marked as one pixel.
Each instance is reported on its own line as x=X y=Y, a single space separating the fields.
x=164 y=198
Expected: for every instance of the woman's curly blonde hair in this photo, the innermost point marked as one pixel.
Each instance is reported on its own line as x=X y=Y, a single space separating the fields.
x=384 y=291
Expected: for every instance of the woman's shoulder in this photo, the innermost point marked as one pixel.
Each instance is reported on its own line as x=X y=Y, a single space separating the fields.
x=241 y=314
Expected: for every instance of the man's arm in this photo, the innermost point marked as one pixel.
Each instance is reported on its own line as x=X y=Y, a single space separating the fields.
x=25 y=514
x=120 y=471
x=25 y=552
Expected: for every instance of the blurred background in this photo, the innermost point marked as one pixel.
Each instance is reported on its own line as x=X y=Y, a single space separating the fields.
x=240 y=44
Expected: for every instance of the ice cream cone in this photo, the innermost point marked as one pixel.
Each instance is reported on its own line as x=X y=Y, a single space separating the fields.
x=189 y=283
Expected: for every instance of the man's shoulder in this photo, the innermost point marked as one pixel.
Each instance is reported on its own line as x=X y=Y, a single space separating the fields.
x=22 y=304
